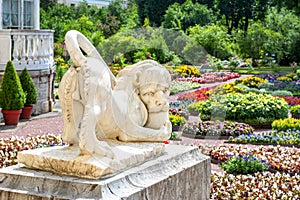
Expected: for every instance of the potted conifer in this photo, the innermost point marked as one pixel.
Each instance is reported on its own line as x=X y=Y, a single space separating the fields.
x=12 y=96
x=29 y=88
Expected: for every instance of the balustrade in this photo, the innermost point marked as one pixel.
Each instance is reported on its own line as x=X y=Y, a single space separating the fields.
x=32 y=49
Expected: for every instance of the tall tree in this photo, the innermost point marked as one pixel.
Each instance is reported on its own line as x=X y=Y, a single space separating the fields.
x=237 y=13
x=154 y=10
x=289 y=4
x=181 y=17
x=45 y=4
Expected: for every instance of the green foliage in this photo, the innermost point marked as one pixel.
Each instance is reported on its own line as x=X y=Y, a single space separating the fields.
x=295 y=109
x=282 y=93
x=154 y=10
x=286 y=124
x=240 y=107
x=287 y=24
x=12 y=96
x=244 y=164
x=260 y=42
x=28 y=87
x=237 y=13
x=181 y=17
x=119 y=43
x=136 y=45
x=214 y=39
x=47 y=4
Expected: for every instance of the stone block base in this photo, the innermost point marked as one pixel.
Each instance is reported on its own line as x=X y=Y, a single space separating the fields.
x=182 y=172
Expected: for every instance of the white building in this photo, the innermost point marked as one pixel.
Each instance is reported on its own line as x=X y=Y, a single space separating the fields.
x=98 y=3
x=22 y=42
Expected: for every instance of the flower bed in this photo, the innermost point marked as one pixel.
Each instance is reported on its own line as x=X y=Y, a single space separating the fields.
x=286 y=124
x=291 y=86
x=292 y=100
x=180 y=86
x=280 y=158
x=262 y=185
x=215 y=129
x=197 y=95
x=289 y=137
x=211 y=77
x=180 y=103
x=9 y=147
x=240 y=107
x=244 y=164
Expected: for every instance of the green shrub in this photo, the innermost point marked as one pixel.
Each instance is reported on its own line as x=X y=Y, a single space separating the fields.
x=265 y=85
x=282 y=93
x=286 y=124
x=12 y=96
x=240 y=107
x=247 y=164
x=214 y=39
x=28 y=87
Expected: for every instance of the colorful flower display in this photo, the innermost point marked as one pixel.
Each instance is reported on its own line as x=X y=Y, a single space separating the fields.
x=211 y=77
x=216 y=128
x=9 y=147
x=261 y=185
x=289 y=137
x=286 y=159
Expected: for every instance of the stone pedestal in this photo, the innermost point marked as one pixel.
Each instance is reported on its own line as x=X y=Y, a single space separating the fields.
x=182 y=172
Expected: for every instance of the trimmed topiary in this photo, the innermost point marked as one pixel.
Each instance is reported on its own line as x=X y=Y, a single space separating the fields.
x=12 y=96
x=28 y=87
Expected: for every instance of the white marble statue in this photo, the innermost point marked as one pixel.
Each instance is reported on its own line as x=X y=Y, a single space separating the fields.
x=96 y=106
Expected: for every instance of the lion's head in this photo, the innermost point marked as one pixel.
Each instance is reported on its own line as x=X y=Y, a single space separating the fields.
x=149 y=84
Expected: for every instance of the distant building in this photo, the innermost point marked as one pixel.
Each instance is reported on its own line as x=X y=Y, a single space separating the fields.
x=98 y=3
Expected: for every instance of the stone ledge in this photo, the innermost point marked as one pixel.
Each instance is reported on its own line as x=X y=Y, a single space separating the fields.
x=182 y=172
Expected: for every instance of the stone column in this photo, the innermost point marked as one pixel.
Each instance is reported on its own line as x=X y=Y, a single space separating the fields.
x=36 y=15
x=5 y=50
x=21 y=15
x=1 y=14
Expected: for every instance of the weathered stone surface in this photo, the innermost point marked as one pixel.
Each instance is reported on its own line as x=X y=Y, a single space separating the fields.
x=96 y=105
x=69 y=161
x=182 y=172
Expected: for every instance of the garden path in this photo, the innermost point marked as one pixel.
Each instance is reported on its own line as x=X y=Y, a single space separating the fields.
x=52 y=123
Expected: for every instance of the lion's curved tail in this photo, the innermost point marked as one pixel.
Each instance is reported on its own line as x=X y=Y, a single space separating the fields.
x=75 y=41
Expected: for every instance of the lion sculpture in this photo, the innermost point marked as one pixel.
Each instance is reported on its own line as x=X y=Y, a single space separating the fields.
x=97 y=107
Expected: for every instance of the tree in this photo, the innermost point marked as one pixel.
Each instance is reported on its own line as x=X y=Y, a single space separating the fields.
x=287 y=23
x=260 y=42
x=45 y=4
x=154 y=10
x=181 y=17
x=289 y=4
x=214 y=39
x=237 y=13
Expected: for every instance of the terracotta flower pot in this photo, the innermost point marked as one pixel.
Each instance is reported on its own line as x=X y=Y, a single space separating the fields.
x=26 y=112
x=11 y=117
